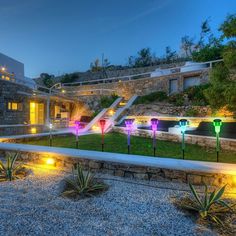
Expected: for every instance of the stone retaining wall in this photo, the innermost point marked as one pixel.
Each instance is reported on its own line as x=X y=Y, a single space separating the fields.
x=21 y=129
x=204 y=141
x=131 y=171
x=144 y=86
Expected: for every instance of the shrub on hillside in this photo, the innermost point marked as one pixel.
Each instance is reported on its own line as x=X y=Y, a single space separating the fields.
x=196 y=95
x=191 y=112
x=158 y=96
x=69 y=78
x=106 y=101
x=176 y=99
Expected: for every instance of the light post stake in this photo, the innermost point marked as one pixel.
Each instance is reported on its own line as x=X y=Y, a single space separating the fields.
x=154 y=123
x=77 y=126
x=183 y=125
x=102 y=125
x=50 y=136
x=129 y=124
x=217 y=124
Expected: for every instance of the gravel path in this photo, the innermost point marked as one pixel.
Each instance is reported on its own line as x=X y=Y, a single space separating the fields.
x=33 y=207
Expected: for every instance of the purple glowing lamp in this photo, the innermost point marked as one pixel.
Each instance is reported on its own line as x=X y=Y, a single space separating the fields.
x=129 y=125
x=102 y=123
x=154 y=123
x=77 y=127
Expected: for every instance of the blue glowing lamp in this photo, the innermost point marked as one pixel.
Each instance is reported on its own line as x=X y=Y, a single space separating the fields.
x=183 y=123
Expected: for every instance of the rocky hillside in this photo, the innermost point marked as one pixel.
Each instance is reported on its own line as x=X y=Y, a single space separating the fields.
x=166 y=109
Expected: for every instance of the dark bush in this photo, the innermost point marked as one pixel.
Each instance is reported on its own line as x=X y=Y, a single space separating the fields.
x=176 y=99
x=106 y=101
x=155 y=96
x=191 y=112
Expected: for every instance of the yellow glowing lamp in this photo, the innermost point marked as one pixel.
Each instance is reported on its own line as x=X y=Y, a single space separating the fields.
x=50 y=161
x=33 y=130
x=95 y=128
x=111 y=112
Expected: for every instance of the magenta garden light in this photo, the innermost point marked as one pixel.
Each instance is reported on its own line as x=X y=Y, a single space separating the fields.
x=77 y=127
x=217 y=124
x=154 y=123
x=183 y=123
x=102 y=123
x=129 y=126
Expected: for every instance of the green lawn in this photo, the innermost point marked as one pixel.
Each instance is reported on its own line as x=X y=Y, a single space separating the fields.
x=116 y=142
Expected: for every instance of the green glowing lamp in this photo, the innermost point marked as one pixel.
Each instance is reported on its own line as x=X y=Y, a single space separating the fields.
x=217 y=124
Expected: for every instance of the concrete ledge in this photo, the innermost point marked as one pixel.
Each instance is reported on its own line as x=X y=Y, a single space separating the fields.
x=134 y=166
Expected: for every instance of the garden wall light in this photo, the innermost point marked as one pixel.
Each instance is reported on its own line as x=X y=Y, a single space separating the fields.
x=154 y=123
x=102 y=123
x=183 y=123
x=217 y=124
x=50 y=161
x=129 y=125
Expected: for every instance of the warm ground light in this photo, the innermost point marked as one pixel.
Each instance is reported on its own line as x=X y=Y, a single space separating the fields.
x=115 y=142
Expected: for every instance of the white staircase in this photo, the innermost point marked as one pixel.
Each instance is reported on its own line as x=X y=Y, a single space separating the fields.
x=109 y=114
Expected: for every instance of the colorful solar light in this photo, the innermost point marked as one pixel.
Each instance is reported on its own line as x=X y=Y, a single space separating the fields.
x=154 y=123
x=129 y=125
x=183 y=123
x=77 y=126
x=217 y=124
x=102 y=123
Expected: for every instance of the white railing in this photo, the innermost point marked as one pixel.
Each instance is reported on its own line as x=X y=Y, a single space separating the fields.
x=175 y=70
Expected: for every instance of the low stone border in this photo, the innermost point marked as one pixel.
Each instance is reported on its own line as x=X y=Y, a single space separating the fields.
x=131 y=171
x=204 y=141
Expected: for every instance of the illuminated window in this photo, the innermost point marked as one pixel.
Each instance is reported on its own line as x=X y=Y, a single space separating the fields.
x=3 y=77
x=14 y=106
x=7 y=78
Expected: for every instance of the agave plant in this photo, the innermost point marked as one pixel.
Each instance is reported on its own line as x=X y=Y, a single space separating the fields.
x=9 y=169
x=204 y=205
x=82 y=184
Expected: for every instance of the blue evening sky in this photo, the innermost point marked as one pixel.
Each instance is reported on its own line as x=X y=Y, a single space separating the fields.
x=60 y=36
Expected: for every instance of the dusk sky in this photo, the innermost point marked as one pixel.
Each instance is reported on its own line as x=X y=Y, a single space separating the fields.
x=59 y=36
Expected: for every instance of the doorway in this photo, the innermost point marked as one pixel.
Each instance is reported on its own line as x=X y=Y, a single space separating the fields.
x=36 y=113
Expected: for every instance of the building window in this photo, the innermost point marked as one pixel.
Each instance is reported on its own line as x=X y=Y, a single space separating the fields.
x=14 y=106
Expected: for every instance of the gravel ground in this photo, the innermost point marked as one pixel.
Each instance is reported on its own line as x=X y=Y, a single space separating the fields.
x=32 y=206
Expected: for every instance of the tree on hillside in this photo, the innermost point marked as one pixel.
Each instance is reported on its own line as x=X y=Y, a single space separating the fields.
x=47 y=79
x=222 y=92
x=95 y=66
x=144 y=58
x=208 y=47
x=170 y=55
x=229 y=27
x=186 y=46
